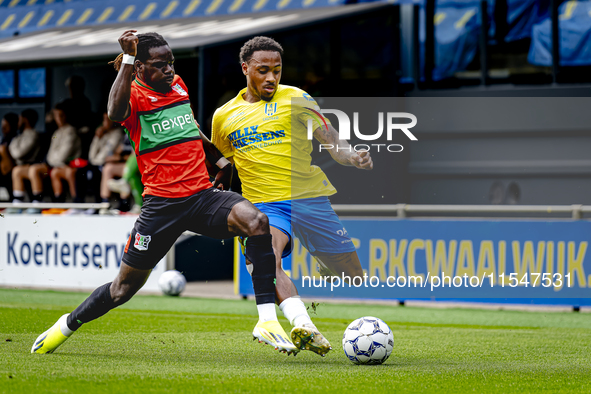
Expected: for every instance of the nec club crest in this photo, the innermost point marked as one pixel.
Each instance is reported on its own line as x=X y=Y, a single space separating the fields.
x=270 y=109
x=142 y=241
x=177 y=88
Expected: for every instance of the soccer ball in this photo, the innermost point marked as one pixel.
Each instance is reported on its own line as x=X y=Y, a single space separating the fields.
x=368 y=340
x=172 y=283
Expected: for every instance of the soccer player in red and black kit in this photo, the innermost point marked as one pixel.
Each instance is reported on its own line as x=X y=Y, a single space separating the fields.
x=153 y=105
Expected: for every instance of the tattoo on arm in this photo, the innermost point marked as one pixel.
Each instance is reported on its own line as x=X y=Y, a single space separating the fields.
x=340 y=150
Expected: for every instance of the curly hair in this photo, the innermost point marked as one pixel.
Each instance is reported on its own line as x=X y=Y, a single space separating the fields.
x=259 y=43
x=146 y=41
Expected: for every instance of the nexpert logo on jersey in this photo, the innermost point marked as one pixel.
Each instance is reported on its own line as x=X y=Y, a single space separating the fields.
x=171 y=123
x=167 y=125
x=249 y=135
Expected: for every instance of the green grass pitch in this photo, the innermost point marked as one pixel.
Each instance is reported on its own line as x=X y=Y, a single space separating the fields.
x=162 y=344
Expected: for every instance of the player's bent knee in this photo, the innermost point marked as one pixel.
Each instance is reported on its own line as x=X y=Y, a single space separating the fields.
x=259 y=225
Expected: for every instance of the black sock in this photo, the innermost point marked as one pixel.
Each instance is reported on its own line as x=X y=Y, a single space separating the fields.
x=96 y=305
x=259 y=251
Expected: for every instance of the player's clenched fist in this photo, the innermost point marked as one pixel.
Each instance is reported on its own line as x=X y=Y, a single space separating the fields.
x=363 y=160
x=128 y=42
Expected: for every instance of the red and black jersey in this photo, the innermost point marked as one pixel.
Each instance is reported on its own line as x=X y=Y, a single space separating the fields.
x=166 y=140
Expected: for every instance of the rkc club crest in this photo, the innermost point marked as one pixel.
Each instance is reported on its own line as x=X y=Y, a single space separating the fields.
x=270 y=109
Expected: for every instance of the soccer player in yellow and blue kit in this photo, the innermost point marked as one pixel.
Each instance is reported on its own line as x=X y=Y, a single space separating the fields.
x=264 y=134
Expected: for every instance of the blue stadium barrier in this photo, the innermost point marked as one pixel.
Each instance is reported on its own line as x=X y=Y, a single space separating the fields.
x=27 y=18
x=575 y=36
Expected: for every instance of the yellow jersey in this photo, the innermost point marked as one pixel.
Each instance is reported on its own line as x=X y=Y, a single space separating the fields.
x=270 y=143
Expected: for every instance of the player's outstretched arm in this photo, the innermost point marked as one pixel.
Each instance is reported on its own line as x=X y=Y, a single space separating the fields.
x=223 y=178
x=341 y=150
x=118 y=106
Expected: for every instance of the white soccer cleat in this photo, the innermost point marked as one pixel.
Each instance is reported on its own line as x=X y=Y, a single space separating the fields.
x=271 y=333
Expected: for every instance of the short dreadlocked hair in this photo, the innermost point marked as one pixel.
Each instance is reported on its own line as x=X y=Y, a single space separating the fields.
x=146 y=41
x=259 y=43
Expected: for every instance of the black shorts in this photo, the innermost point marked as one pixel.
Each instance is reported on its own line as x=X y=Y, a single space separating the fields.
x=163 y=220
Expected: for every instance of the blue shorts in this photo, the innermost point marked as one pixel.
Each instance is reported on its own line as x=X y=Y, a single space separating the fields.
x=312 y=221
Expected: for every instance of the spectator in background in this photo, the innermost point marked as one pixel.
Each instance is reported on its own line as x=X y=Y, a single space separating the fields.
x=9 y=130
x=50 y=125
x=82 y=117
x=114 y=168
x=64 y=147
x=106 y=140
x=24 y=148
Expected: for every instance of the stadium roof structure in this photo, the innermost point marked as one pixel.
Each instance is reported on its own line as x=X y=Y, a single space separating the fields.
x=25 y=16
x=99 y=41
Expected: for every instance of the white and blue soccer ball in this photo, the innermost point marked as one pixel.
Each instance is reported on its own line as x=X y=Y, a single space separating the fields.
x=368 y=340
x=172 y=283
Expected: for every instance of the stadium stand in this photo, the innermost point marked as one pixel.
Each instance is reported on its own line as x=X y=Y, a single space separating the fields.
x=574 y=33
x=521 y=17
x=23 y=16
x=457 y=28
x=456 y=24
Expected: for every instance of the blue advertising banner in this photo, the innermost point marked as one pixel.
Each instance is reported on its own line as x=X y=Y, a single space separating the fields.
x=516 y=261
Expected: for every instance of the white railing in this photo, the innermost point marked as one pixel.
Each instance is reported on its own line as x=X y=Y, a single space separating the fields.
x=50 y=205
x=576 y=211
